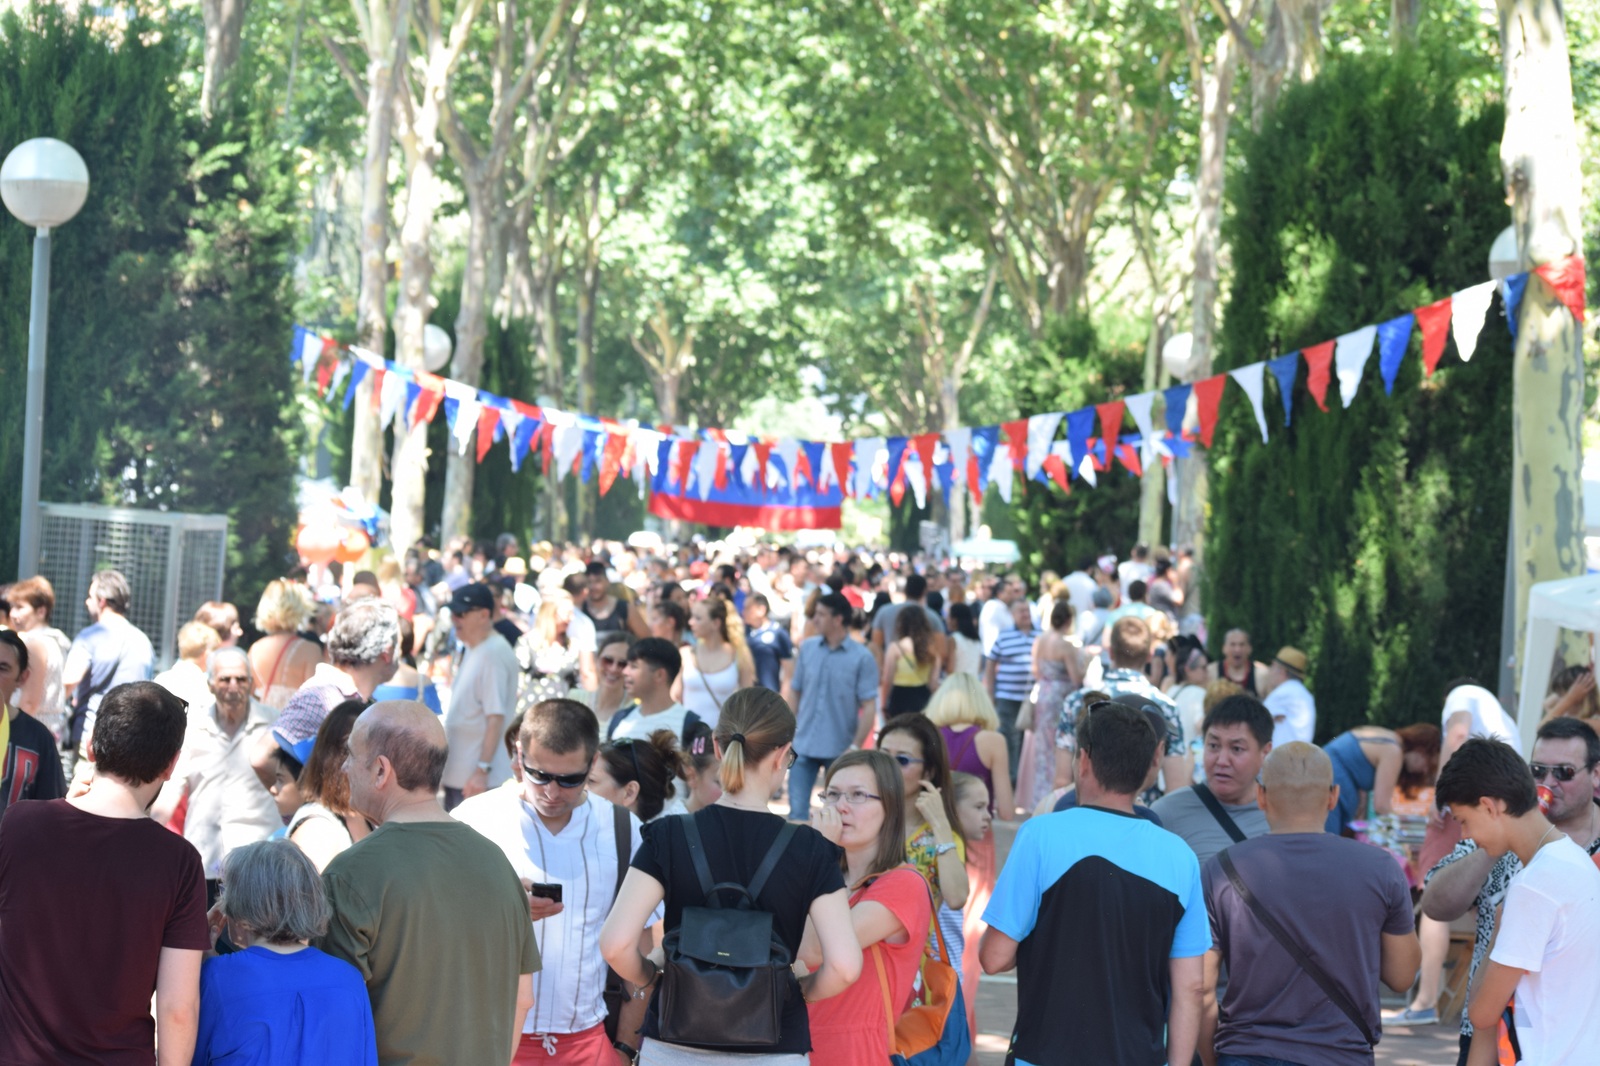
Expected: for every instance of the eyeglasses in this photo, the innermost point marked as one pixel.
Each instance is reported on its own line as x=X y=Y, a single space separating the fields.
x=833 y=797
x=1560 y=773
x=904 y=760
x=539 y=777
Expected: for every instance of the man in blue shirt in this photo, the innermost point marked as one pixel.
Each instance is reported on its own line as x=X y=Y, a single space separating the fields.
x=109 y=652
x=769 y=643
x=834 y=694
x=1119 y=897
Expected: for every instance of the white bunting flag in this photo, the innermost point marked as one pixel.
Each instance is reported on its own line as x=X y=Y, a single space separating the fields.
x=916 y=477
x=705 y=466
x=1468 y=308
x=787 y=449
x=1138 y=408
x=866 y=454
x=1041 y=432
x=959 y=441
x=1087 y=471
x=568 y=443
x=466 y=428
x=750 y=468
x=1350 y=357
x=389 y=400
x=1001 y=472
x=1250 y=379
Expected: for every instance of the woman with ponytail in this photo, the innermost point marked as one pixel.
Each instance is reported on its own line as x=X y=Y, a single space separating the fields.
x=640 y=775
x=754 y=739
x=718 y=663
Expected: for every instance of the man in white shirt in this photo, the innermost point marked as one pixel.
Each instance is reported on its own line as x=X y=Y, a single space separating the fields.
x=1544 y=951
x=1081 y=585
x=557 y=833
x=995 y=618
x=228 y=805
x=1134 y=569
x=1470 y=710
x=653 y=666
x=1294 y=709
x=482 y=696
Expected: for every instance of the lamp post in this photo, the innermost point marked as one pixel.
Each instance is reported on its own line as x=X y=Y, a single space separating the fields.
x=44 y=184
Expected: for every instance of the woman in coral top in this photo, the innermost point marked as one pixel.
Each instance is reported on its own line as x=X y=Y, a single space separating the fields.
x=864 y=812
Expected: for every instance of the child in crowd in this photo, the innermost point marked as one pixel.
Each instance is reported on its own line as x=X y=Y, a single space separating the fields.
x=972 y=813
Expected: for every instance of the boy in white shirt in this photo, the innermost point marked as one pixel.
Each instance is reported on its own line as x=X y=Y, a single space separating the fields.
x=1544 y=951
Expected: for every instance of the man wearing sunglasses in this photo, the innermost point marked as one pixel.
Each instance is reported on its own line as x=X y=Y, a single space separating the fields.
x=1566 y=760
x=555 y=832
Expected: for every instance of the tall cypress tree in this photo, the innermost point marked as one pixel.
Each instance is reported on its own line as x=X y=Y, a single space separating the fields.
x=1372 y=537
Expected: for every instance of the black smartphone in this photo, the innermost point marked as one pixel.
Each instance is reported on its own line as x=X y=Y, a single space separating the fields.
x=544 y=891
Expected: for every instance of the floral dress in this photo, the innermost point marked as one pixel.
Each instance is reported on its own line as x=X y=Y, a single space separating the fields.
x=1036 y=768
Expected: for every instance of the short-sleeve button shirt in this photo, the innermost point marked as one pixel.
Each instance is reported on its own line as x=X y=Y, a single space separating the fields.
x=831 y=683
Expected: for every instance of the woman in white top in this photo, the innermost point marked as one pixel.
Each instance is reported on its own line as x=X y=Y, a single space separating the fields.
x=1191 y=676
x=718 y=664
x=42 y=695
x=611 y=656
x=965 y=650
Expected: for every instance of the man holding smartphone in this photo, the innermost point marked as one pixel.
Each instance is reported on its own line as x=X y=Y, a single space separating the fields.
x=571 y=848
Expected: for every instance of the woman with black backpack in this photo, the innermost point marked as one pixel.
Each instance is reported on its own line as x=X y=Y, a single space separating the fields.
x=721 y=986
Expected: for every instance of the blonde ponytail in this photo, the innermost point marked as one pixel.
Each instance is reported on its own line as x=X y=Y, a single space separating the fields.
x=755 y=722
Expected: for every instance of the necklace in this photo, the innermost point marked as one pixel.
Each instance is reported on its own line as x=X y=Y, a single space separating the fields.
x=1546 y=837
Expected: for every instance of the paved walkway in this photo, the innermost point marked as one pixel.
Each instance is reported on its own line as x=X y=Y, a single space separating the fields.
x=997 y=1010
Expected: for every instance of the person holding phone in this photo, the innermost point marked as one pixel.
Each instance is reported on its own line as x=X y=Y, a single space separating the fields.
x=570 y=847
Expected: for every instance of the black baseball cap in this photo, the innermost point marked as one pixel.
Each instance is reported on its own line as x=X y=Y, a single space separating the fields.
x=473 y=597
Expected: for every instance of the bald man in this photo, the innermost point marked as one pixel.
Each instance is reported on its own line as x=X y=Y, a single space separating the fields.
x=1345 y=904
x=429 y=911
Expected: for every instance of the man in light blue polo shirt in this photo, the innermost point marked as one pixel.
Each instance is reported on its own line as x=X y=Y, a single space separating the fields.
x=835 y=691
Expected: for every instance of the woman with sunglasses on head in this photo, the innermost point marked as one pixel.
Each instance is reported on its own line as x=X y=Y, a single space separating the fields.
x=640 y=775
x=933 y=843
x=754 y=738
x=863 y=811
x=611 y=694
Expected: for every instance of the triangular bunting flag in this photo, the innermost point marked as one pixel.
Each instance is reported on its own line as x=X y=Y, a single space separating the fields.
x=488 y=422
x=1110 y=425
x=1566 y=277
x=841 y=451
x=1177 y=399
x=611 y=458
x=925 y=445
x=358 y=370
x=1284 y=368
x=985 y=441
x=1080 y=426
x=959 y=443
x=1468 y=309
x=1252 y=379
x=1394 y=337
x=1139 y=409
x=683 y=462
x=1319 y=365
x=1041 y=434
x=1433 y=320
x=1208 y=397
x=1511 y=290
x=1350 y=359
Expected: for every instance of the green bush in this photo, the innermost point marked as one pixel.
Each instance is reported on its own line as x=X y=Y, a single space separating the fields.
x=1373 y=538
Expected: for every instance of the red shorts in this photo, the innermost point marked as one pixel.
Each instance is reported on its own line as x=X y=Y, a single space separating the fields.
x=588 y=1048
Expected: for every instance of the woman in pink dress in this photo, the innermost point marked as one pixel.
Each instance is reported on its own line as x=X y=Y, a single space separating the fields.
x=1058 y=671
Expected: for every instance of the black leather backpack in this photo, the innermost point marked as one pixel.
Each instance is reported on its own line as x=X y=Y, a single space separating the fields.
x=727 y=979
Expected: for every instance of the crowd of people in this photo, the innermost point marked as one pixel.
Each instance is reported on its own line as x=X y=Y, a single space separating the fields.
x=634 y=803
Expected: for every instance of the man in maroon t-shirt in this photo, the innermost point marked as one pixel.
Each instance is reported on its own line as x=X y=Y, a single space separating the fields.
x=100 y=906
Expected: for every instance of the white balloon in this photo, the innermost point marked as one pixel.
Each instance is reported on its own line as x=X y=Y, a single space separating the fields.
x=436 y=348
x=1177 y=355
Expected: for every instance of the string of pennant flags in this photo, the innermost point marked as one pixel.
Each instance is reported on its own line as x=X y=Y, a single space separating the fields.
x=811 y=477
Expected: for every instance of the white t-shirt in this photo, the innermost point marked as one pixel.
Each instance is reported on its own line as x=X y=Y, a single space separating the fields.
x=1489 y=719
x=582 y=859
x=485 y=684
x=1549 y=928
x=1129 y=571
x=1080 y=591
x=580 y=633
x=994 y=619
x=1292 y=702
x=640 y=726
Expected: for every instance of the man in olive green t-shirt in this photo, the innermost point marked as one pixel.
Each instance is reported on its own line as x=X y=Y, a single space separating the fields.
x=428 y=910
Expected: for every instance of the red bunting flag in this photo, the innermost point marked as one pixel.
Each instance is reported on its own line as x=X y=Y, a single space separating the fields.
x=763 y=450
x=1208 y=397
x=1565 y=276
x=617 y=440
x=1057 y=469
x=841 y=452
x=1129 y=455
x=897 y=490
x=683 y=462
x=432 y=395
x=488 y=419
x=1016 y=434
x=925 y=445
x=802 y=469
x=1434 y=322
x=546 y=437
x=974 y=478
x=377 y=387
x=719 y=477
x=1319 y=365
x=1110 y=427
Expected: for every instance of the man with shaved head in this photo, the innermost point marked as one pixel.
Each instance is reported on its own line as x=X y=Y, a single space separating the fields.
x=425 y=907
x=1343 y=905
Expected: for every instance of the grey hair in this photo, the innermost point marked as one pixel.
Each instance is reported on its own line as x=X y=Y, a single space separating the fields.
x=228 y=654
x=274 y=889
x=364 y=632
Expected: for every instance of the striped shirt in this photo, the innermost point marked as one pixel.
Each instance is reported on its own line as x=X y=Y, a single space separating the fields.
x=1013 y=655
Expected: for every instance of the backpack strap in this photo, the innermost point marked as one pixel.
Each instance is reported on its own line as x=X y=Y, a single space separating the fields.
x=770 y=863
x=697 y=854
x=622 y=830
x=1223 y=818
x=1317 y=974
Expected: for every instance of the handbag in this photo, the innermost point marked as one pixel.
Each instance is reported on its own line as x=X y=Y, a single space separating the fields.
x=933 y=1032
x=1281 y=935
x=726 y=982
x=1025 y=712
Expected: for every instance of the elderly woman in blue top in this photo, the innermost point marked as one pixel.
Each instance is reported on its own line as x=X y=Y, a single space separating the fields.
x=279 y=1001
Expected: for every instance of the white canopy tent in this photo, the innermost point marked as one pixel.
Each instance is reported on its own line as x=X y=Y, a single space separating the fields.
x=1571 y=603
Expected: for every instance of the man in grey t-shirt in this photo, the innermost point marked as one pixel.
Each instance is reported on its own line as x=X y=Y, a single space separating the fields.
x=110 y=652
x=883 y=622
x=834 y=693
x=1237 y=735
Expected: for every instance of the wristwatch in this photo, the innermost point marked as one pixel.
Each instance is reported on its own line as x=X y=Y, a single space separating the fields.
x=631 y=1052
x=487 y=766
x=943 y=849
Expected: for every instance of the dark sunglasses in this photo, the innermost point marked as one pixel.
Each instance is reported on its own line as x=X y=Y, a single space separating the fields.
x=539 y=777
x=1560 y=773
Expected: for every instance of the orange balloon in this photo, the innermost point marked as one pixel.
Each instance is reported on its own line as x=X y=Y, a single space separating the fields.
x=317 y=544
x=352 y=546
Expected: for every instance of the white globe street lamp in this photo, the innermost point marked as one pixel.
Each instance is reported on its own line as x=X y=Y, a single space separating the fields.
x=44 y=184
